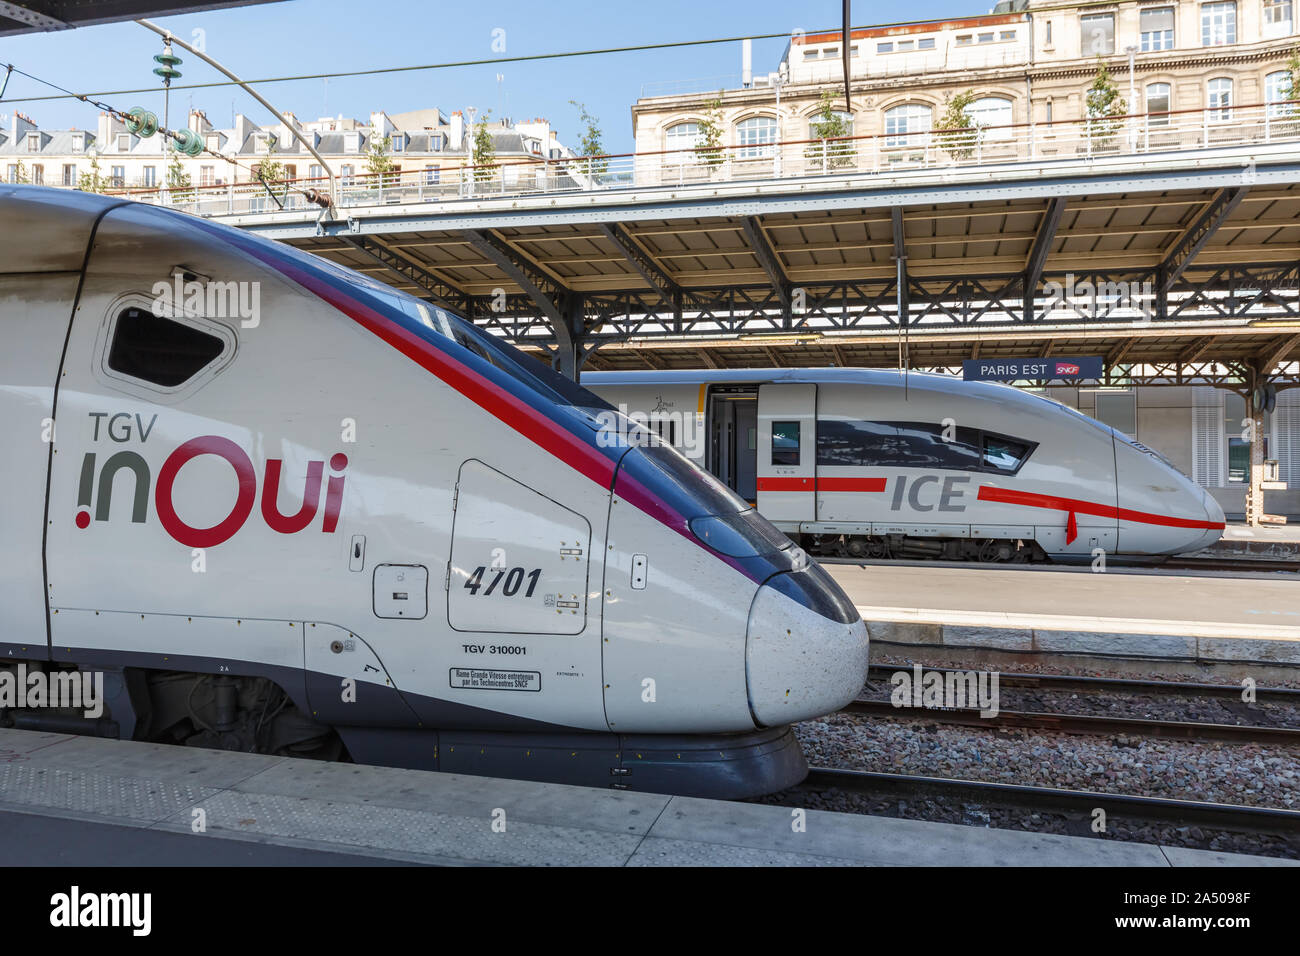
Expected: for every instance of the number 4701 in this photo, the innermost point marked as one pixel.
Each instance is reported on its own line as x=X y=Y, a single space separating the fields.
x=514 y=580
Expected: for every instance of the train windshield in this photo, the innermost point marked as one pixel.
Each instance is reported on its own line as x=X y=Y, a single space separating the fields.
x=716 y=515
x=492 y=349
x=425 y=318
x=740 y=535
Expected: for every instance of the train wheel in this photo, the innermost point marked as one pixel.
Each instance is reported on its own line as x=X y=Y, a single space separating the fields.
x=856 y=546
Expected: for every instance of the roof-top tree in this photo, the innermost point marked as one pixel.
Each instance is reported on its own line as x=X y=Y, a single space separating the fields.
x=592 y=146
x=956 y=131
x=834 y=126
x=708 y=149
x=379 y=161
x=484 y=150
x=1104 y=107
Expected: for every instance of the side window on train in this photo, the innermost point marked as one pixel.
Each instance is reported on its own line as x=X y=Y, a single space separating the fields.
x=1005 y=454
x=785 y=443
x=162 y=352
x=918 y=445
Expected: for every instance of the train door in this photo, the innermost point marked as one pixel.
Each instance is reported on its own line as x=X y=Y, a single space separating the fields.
x=787 y=452
x=518 y=598
x=733 y=439
x=34 y=311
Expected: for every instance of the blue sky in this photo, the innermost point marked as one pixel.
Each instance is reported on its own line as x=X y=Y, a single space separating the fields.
x=315 y=36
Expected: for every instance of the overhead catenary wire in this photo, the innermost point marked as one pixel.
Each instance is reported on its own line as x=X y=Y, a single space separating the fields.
x=451 y=64
x=92 y=99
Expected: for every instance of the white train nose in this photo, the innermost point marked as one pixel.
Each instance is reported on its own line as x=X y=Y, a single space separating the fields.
x=799 y=662
x=1214 y=515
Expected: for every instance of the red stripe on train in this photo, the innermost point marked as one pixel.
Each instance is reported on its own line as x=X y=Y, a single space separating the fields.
x=1030 y=499
x=851 y=484
x=821 y=484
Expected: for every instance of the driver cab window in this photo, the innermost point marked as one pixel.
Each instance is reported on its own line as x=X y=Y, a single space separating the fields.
x=160 y=351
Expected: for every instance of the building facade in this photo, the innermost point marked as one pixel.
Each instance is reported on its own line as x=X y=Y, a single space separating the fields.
x=1200 y=69
x=1029 y=65
x=421 y=144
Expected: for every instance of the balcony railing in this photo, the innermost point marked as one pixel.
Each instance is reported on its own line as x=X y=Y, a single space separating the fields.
x=871 y=155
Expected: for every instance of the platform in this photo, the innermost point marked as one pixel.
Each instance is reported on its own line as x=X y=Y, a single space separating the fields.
x=1265 y=543
x=139 y=794
x=1242 y=619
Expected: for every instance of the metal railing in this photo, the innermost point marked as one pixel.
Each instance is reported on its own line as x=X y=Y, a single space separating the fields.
x=875 y=154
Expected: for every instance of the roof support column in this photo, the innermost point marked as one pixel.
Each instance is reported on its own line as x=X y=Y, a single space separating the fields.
x=900 y=283
x=571 y=351
x=767 y=258
x=1185 y=248
x=1038 y=253
x=564 y=309
x=649 y=269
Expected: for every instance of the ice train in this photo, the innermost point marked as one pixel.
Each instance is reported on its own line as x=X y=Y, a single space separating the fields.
x=868 y=463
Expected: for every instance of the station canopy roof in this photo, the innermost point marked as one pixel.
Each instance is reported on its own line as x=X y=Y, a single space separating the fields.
x=35 y=16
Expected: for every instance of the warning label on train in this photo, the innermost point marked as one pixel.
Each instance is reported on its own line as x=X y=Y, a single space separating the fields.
x=484 y=678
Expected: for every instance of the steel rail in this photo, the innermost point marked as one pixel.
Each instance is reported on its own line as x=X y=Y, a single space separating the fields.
x=1093 y=724
x=1066 y=682
x=1118 y=806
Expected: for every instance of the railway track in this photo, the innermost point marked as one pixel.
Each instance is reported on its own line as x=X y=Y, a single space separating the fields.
x=1073 y=682
x=1228 y=564
x=1095 y=724
x=1078 y=803
x=1083 y=724
x=1175 y=565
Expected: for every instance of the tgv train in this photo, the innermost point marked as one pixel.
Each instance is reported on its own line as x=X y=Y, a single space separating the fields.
x=287 y=509
x=865 y=463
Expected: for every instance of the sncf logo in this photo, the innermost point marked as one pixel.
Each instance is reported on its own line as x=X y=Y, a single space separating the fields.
x=95 y=489
x=1066 y=368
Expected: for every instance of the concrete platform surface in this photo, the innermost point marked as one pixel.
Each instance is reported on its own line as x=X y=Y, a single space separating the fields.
x=1267 y=542
x=419 y=817
x=1214 y=619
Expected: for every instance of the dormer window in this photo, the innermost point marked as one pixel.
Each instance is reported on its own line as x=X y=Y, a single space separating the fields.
x=33 y=142
x=123 y=142
x=436 y=142
x=213 y=143
x=78 y=142
x=399 y=142
x=352 y=142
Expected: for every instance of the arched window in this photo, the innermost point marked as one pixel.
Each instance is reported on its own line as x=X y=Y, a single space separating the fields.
x=817 y=121
x=755 y=137
x=907 y=125
x=1277 y=86
x=682 y=136
x=1157 y=104
x=1219 y=99
x=993 y=112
